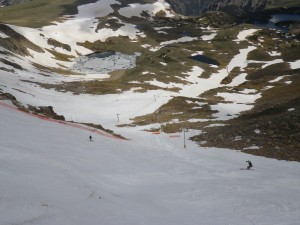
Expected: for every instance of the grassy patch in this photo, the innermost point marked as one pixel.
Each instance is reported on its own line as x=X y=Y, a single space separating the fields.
x=274 y=70
x=60 y=56
x=259 y=54
x=38 y=13
x=176 y=113
x=12 y=64
x=58 y=44
x=275 y=117
x=53 y=70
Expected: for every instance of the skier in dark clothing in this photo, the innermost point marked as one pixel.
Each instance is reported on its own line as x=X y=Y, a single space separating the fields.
x=249 y=164
x=90 y=137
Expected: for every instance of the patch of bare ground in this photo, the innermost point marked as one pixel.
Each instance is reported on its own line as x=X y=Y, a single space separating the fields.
x=16 y=42
x=273 y=125
x=54 y=69
x=100 y=127
x=176 y=114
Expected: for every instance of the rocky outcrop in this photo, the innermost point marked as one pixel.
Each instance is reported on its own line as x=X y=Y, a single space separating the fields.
x=234 y=7
x=46 y=111
x=16 y=42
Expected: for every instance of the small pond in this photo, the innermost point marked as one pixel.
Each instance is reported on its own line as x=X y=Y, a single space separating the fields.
x=101 y=54
x=205 y=59
x=276 y=19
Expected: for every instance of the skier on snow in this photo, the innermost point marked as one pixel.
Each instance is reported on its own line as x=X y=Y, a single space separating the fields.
x=249 y=164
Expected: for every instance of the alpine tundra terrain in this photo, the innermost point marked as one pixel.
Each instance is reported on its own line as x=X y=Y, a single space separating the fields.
x=173 y=105
x=237 y=83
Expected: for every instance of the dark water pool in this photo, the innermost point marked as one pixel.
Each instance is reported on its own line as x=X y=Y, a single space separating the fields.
x=277 y=19
x=101 y=54
x=205 y=59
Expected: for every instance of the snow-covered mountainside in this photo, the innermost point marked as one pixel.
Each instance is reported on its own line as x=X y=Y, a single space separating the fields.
x=50 y=173
x=119 y=64
x=172 y=104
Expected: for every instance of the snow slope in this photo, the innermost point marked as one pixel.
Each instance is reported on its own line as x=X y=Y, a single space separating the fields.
x=52 y=174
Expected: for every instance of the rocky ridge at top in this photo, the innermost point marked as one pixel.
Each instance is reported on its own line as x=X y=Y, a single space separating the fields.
x=236 y=7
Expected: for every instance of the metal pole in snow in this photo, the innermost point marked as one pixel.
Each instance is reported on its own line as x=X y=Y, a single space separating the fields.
x=184 y=145
x=118 y=117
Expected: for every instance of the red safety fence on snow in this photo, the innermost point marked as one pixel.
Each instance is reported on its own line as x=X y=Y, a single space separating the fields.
x=78 y=126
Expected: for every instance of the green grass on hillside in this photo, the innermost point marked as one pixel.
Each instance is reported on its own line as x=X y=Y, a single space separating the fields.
x=284 y=3
x=37 y=13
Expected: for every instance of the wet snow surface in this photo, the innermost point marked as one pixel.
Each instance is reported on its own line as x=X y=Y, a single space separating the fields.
x=52 y=174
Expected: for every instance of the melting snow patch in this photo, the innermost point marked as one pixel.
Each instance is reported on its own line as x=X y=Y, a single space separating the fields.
x=138 y=9
x=288 y=82
x=174 y=121
x=267 y=63
x=163 y=85
x=228 y=111
x=253 y=147
x=2 y=35
x=162 y=28
x=277 y=79
x=198 y=53
x=239 y=98
x=238 y=138
x=216 y=125
x=245 y=33
x=272 y=62
x=146 y=46
x=295 y=65
x=197 y=120
x=208 y=37
x=238 y=80
x=257 y=131
x=248 y=91
x=162 y=32
x=274 y=53
x=180 y=40
x=267 y=87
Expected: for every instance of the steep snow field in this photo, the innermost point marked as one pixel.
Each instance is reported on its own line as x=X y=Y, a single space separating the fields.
x=52 y=174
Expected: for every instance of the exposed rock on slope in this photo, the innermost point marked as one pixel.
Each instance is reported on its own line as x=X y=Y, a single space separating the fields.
x=16 y=43
x=237 y=7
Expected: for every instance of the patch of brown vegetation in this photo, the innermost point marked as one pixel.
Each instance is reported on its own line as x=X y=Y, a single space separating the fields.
x=179 y=109
x=273 y=125
x=58 y=44
x=16 y=42
x=46 y=111
x=60 y=56
x=54 y=70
